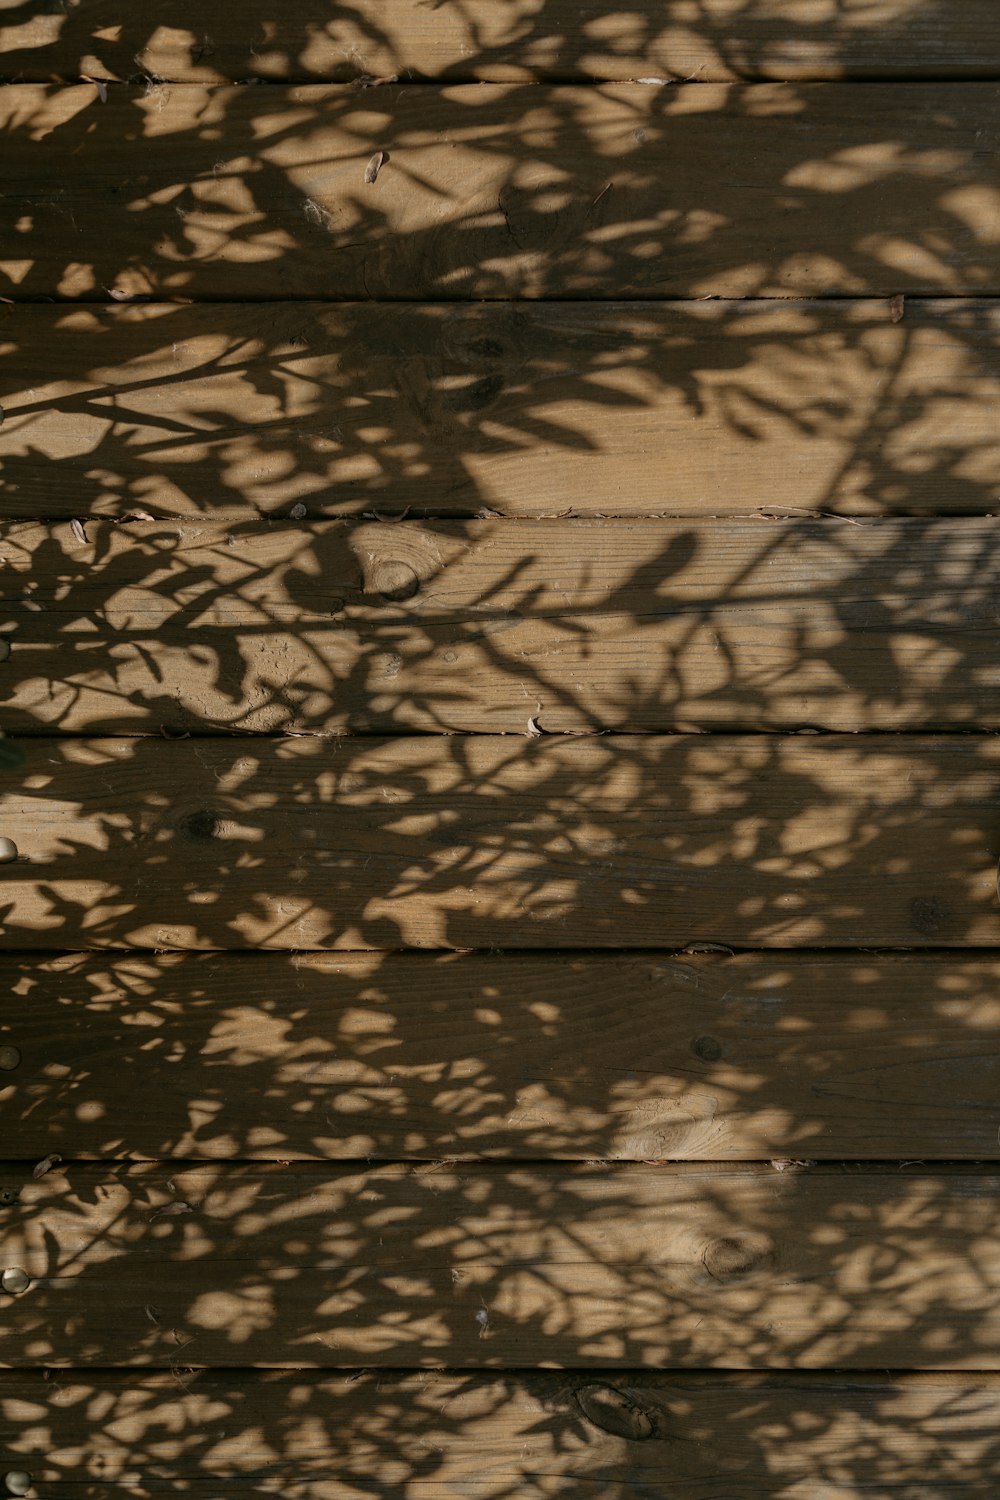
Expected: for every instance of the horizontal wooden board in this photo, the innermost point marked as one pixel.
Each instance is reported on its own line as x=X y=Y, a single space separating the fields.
x=491 y=1437
x=454 y=842
x=485 y=625
x=261 y=39
x=698 y=408
x=574 y=1267
x=793 y=1056
x=493 y=191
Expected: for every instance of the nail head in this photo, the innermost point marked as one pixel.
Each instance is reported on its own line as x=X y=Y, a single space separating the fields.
x=18 y=1482
x=14 y=1280
x=8 y=851
x=10 y=1058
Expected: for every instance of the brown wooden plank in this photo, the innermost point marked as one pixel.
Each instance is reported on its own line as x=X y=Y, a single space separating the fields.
x=493 y=1437
x=494 y=191
x=483 y=625
x=262 y=39
x=608 y=842
x=500 y=1055
x=575 y=1267
x=699 y=408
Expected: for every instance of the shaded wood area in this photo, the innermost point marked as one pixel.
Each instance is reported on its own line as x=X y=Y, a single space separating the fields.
x=816 y=1056
x=512 y=842
x=502 y=1437
x=256 y=39
x=682 y=408
x=495 y=625
x=492 y=191
x=552 y=1266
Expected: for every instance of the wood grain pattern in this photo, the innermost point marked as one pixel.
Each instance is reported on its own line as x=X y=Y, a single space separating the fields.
x=609 y=842
x=481 y=626
x=493 y=191
x=500 y=1055
x=698 y=408
x=561 y=1266
x=264 y=39
x=499 y=1437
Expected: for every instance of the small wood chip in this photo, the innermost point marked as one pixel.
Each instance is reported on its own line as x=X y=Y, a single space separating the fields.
x=367 y=81
x=78 y=530
x=171 y=1211
x=45 y=1165
x=897 y=306
x=375 y=166
x=534 y=730
x=385 y=517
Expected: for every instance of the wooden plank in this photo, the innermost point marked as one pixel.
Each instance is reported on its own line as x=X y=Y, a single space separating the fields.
x=483 y=625
x=490 y=1437
x=700 y=408
x=453 y=842
x=258 y=39
x=561 y=1266
x=496 y=191
x=389 y=1056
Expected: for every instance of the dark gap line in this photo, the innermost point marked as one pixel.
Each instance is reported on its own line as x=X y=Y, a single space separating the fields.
x=498 y=1166
x=414 y=515
x=622 y=299
x=561 y=1373
x=585 y=304
x=530 y=80
x=721 y=951
x=337 y=736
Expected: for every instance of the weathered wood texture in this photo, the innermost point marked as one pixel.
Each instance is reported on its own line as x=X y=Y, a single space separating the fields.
x=502 y=1437
x=391 y=1056
x=495 y=191
x=685 y=408
x=748 y=1268
x=297 y=39
x=483 y=625
x=607 y=842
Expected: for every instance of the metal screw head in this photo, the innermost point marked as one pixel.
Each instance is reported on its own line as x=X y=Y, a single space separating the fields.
x=8 y=851
x=17 y=1482
x=15 y=1280
x=10 y=1058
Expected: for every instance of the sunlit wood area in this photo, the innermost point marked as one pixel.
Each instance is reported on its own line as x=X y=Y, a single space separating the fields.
x=500 y=805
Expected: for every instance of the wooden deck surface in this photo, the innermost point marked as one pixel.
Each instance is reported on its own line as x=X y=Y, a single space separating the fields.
x=499 y=778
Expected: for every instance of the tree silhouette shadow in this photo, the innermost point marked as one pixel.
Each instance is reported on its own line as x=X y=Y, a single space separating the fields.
x=344 y=1154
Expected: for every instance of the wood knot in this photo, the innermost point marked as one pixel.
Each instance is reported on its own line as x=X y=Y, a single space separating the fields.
x=616 y=1412
x=393 y=579
x=200 y=824
x=481 y=393
x=928 y=915
x=733 y=1256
